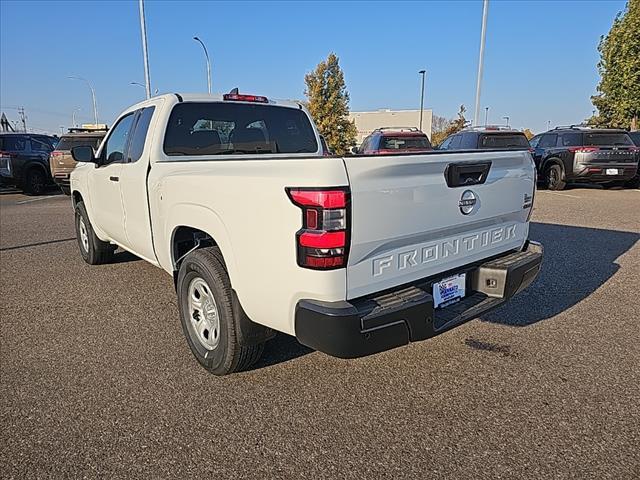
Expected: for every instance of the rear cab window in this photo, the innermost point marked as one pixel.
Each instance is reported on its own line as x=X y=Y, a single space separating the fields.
x=503 y=140
x=405 y=142
x=219 y=128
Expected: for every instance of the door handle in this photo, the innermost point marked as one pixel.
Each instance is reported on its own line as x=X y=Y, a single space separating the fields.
x=114 y=179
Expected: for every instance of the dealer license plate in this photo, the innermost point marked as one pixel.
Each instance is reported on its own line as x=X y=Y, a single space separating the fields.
x=612 y=171
x=449 y=290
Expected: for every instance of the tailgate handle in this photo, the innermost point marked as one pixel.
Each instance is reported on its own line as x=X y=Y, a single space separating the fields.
x=465 y=174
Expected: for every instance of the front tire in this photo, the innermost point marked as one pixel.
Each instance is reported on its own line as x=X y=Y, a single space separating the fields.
x=207 y=314
x=554 y=177
x=93 y=250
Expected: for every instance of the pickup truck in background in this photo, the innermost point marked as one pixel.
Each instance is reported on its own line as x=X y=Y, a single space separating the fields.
x=353 y=255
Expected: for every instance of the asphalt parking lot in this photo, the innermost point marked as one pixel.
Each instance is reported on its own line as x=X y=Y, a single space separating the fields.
x=97 y=379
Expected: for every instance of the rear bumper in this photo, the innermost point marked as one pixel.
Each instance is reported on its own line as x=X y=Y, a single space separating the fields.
x=380 y=322
x=62 y=179
x=598 y=172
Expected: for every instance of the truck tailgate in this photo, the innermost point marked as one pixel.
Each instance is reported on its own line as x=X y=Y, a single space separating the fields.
x=408 y=223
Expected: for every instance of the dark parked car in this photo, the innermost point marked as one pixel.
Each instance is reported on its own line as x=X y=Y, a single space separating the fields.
x=581 y=154
x=24 y=161
x=485 y=138
x=394 y=140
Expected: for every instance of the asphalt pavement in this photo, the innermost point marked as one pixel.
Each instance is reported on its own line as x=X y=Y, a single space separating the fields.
x=96 y=379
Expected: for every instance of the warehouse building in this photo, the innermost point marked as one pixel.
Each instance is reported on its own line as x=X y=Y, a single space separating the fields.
x=367 y=122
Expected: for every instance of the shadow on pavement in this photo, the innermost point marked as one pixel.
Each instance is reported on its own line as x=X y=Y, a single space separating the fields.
x=577 y=261
x=37 y=244
x=281 y=349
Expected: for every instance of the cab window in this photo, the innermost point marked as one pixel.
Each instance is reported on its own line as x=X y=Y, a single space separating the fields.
x=117 y=142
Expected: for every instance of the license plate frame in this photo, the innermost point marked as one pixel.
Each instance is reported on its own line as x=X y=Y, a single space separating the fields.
x=611 y=171
x=449 y=290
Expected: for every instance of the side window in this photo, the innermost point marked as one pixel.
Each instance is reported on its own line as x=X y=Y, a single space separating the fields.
x=455 y=142
x=139 y=136
x=445 y=144
x=365 y=145
x=571 y=139
x=113 y=151
x=38 y=146
x=548 y=140
x=534 y=141
x=469 y=141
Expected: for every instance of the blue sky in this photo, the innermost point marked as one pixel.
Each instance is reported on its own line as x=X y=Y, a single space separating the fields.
x=540 y=61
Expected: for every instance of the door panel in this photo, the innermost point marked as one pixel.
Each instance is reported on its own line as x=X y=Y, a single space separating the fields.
x=133 y=185
x=104 y=182
x=106 y=205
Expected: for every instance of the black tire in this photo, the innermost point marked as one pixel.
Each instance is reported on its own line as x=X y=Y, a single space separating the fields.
x=65 y=190
x=35 y=182
x=553 y=177
x=93 y=250
x=227 y=355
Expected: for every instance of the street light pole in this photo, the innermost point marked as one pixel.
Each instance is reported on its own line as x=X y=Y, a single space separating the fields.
x=506 y=117
x=206 y=54
x=73 y=117
x=486 y=116
x=483 y=34
x=145 y=54
x=423 y=73
x=93 y=96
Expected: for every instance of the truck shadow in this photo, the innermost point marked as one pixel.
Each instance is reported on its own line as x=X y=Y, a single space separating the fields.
x=577 y=261
x=281 y=349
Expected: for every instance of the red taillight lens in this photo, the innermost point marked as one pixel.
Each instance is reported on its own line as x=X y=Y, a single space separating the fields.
x=583 y=149
x=318 y=198
x=56 y=153
x=323 y=241
x=236 y=97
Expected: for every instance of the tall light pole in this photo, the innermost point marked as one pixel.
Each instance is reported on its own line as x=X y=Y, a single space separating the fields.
x=93 y=96
x=423 y=73
x=155 y=92
x=506 y=117
x=145 y=54
x=73 y=117
x=486 y=116
x=548 y=124
x=206 y=54
x=483 y=34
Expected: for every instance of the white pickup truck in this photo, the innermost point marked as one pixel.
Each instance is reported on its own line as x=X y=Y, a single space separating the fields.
x=353 y=255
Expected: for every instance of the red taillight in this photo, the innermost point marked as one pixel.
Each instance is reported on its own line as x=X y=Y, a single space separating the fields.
x=318 y=198
x=322 y=242
x=56 y=153
x=237 y=97
x=583 y=149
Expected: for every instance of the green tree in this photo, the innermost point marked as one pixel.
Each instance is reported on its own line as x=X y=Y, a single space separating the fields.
x=454 y=126
x=618 y=98
x=328 y=103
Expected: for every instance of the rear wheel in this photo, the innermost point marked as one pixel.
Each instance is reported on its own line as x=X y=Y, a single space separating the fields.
x=207 y=314
x=93 y=250
x=554 y=177
x=35 y=182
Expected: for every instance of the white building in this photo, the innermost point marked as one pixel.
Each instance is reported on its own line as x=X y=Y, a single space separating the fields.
x=367 y=122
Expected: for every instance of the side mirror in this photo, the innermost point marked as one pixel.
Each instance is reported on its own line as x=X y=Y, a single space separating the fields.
x=83 y=154
x=354 y=150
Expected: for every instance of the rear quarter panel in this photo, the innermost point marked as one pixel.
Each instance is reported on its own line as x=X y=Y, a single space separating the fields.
x=243 y=205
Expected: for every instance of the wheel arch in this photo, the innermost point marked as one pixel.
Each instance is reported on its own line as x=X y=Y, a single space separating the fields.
x=189 y=227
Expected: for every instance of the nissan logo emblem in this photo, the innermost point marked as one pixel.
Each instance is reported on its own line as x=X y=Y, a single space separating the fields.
x=467 y=202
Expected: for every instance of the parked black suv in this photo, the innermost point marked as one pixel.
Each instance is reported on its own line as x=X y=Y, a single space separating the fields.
x=581 y=154
x=24 y=161
x=485 y=138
